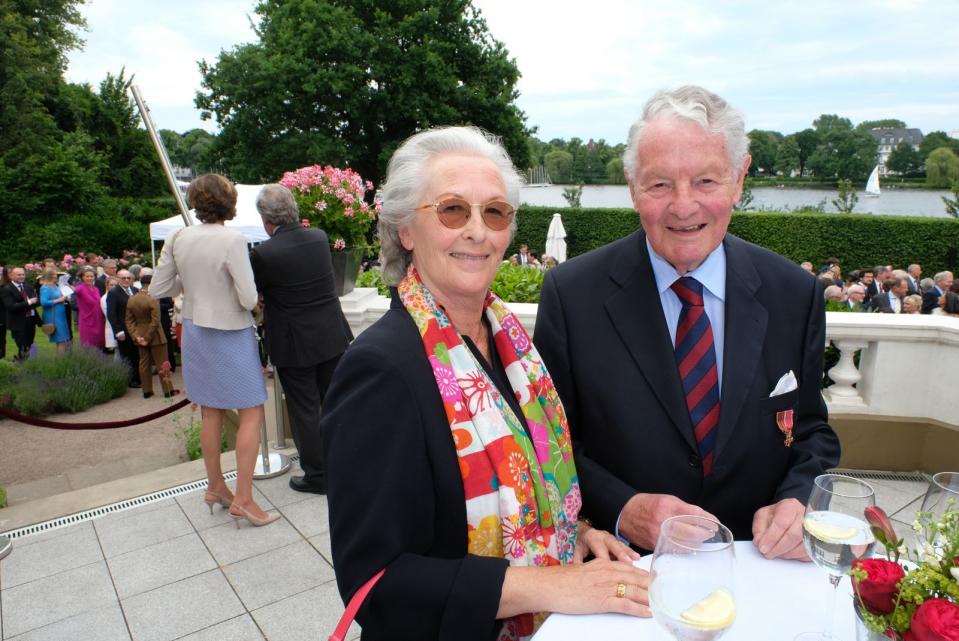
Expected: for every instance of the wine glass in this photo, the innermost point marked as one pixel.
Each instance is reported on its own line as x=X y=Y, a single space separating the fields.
x=836 y=533
x=691 y=587
x=942 y=496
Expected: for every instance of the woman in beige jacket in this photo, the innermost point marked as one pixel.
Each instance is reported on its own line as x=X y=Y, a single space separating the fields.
x=210 y=265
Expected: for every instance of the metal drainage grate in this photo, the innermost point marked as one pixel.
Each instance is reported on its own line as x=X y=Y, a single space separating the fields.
x=128 y=504
x=878 y=475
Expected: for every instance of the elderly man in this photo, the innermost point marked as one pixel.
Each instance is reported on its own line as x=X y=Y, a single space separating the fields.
x=109 y=266
x=914 y=274
x=22 y=317
x=306 y=332
x=855 y=295
x=690 y=361
x=833 y=293
x=117 y=299
x=930 y=299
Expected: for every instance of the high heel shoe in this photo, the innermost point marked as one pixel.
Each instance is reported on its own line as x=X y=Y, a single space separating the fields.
x=212 y=498
x=258 y=522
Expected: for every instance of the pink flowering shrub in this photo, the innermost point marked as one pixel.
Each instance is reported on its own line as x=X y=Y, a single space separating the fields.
x=335 y=200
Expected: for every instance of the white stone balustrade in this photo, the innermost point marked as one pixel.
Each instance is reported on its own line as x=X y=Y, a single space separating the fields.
x=908 y=366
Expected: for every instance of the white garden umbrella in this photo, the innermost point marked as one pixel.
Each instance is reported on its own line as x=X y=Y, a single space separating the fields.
x=556 y=239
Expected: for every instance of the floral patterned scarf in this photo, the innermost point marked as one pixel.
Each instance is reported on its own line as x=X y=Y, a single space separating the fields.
x=522 y=492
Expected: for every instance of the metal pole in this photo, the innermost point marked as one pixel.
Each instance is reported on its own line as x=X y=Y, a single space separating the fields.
x=278 y=398
x=161 y=152
x=269 y=464
x=5 y=545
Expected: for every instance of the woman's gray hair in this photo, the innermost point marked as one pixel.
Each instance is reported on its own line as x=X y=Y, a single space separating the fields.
x=89 y=269
x=407 y=179
x=699 y=105
x=277 y=205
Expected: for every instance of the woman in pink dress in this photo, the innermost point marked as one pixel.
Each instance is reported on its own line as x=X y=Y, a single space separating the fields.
x=90 y=317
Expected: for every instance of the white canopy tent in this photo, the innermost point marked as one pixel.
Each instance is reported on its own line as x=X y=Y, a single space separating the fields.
x=247 y=220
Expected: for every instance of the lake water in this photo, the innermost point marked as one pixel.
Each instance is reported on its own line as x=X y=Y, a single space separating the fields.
x=895 y=202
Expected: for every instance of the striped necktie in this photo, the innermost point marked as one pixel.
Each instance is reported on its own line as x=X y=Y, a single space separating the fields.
x=696 y=359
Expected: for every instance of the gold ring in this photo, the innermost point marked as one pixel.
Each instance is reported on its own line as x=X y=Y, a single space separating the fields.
x=621 y=590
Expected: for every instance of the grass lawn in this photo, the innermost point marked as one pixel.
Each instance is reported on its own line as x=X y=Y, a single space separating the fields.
x=42 y=342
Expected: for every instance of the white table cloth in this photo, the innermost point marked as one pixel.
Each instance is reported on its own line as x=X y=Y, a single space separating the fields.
x=775 y=600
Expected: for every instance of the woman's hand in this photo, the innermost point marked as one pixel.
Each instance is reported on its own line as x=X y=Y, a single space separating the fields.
x=586 y=588
x=601 y=544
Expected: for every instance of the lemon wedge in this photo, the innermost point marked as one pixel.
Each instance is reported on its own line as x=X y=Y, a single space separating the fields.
x=718 y=610
x=829 y=532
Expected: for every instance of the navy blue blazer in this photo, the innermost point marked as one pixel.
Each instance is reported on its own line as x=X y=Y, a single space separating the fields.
x=602 y=333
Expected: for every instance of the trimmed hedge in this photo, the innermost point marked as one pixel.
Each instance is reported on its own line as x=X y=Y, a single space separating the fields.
x=858 y=240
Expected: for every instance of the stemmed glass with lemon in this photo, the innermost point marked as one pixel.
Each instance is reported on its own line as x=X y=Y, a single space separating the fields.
x=691 y=590
x=836 y=533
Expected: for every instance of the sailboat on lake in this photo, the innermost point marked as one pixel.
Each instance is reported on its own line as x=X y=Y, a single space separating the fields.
x=872 y=185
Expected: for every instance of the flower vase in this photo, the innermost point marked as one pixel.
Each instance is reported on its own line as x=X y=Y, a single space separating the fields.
x=346 y=267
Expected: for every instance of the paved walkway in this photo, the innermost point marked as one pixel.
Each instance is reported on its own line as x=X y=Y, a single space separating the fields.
x=169 y=570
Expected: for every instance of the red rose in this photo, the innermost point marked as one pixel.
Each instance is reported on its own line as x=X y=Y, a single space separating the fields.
x=878 y=590
x=934 y=620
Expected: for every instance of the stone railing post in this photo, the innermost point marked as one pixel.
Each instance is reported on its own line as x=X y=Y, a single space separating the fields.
x=845 y=374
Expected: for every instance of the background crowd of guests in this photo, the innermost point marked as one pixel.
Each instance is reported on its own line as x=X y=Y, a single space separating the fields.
x=887 y=290
x=88 y=305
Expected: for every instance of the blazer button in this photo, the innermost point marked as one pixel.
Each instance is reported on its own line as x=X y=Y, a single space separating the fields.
x=694 y=460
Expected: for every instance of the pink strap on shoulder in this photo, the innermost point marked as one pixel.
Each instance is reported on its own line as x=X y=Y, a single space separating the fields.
x=339 y=634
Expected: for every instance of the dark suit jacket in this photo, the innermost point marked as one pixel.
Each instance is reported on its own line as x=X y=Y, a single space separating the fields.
x=117 y=300
x=17 y=309
x=882 y=305
x=913 y=286
x=871 y=292
x=396 y=495
x=304 y=322
x=930 y=300
x=601 y=331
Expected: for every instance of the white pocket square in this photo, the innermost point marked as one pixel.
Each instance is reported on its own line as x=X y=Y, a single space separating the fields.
x=787 y=383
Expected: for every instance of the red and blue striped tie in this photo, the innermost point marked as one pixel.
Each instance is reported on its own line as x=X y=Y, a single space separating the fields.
x=696 y=359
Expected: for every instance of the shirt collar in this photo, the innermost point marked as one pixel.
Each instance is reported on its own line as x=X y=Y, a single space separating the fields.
x=711 y=273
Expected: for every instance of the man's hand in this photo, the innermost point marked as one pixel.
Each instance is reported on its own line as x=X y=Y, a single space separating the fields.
x=643 y=514
x=777 y=530
x=121 y=336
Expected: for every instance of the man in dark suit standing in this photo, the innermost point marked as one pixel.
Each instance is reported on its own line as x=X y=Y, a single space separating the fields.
x=930 y=299
x=689 y=361
x=914 y=274
x=109 y=271
x=117 y=299
x=20 y=301
x=306 y=332
x=890 y=301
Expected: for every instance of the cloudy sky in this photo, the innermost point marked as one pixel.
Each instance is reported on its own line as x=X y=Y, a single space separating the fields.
x=589 y=66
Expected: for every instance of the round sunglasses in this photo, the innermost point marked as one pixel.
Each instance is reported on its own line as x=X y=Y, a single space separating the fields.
x=454 y=213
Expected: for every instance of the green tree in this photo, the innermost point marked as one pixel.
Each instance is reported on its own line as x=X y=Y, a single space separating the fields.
x=904 y=159
x=952 y=204
x=935 y=140
x=808 y=141
x=614 y=171
x=847 y=198
x=763 y=147
x=942 y=167
x=559 y=166
x=843 y=152
x=788 y=156
x=883 y=123
x=342 y=82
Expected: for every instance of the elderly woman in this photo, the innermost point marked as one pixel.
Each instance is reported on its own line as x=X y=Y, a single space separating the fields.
x=54 y=310
x=210 y=264
x=90 y=318
x=448 y=455
x=911 y=304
